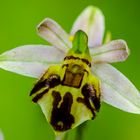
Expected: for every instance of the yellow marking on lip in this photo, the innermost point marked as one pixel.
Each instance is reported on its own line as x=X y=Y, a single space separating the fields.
x=64 y=106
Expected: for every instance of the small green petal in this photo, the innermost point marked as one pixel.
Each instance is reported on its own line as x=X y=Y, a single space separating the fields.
x=108 y=37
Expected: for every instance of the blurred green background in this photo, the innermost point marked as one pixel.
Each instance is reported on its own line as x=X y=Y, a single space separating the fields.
x=20 y=119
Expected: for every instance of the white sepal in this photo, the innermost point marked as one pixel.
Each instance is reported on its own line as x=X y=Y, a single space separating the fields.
x=116 y=89
x=30 y=60
x=91 y=20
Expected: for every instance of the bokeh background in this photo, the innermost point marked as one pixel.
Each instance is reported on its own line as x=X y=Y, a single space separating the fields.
x=20 y=119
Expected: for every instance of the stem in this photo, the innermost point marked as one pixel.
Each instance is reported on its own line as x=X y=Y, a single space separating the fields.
x=78 y=136
x=80 y=131
x=62 y=136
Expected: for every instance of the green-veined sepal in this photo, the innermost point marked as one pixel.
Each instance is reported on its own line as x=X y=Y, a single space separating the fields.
x=30 y=60
x=116 y=89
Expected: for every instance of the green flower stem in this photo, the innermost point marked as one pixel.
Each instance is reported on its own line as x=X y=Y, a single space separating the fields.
x=80 y=131
x=63 y=136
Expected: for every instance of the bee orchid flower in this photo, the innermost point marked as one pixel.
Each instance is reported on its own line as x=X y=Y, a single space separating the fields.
x=72 y=56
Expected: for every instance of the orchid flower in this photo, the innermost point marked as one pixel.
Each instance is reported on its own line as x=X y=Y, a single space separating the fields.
x=34 y=60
